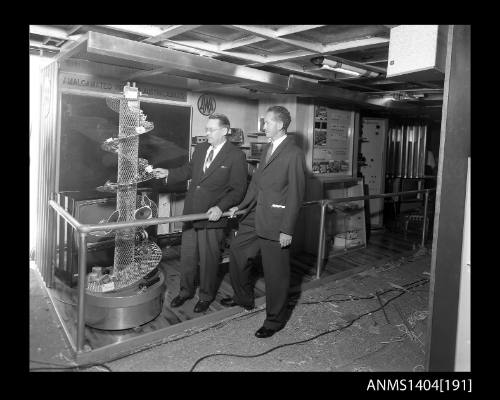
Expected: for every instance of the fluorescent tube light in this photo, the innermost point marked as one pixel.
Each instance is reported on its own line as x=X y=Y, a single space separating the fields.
x=342 y=70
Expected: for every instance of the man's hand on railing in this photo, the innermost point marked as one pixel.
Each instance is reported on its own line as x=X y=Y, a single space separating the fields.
x=285 y=239
x=232 y=210
x=160 y=173
x=214 y=213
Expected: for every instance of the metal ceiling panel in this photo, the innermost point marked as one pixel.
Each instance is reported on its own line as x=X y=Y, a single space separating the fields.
x=113 y=50
x=143 y=57
x=218 y=32
x=341 y=33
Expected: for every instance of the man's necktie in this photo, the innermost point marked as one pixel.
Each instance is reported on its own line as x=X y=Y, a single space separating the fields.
x=209 y=159
x=269 y=152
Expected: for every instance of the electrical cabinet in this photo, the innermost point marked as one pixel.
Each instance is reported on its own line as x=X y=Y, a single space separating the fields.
x=417 y=52
x=372 y=146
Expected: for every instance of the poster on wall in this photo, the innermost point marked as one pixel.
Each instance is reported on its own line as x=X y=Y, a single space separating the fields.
x=333 y=138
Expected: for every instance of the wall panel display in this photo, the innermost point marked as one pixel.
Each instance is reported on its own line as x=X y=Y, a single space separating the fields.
x=86 y=122
x=333 y=142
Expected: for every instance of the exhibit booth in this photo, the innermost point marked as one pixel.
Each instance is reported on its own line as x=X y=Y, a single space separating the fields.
x=111 y=110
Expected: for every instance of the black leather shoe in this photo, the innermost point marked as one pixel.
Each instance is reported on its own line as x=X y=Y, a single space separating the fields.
x=201 y=306
x=178 y=301
x=229 y=302
x=264 y=332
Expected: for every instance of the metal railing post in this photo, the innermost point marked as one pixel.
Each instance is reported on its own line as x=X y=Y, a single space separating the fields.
x=321 y=239
x=424 y=224
x=82 y=275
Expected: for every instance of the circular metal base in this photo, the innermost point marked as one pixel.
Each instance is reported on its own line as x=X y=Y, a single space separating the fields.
x=125 y=309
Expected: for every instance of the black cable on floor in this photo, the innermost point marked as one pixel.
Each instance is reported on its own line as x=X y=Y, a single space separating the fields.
x=219 y=325
x=408 y=286
x=300 y=341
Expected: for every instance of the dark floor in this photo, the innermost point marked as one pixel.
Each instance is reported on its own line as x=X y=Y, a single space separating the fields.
x=382 y=246
x=383 y=263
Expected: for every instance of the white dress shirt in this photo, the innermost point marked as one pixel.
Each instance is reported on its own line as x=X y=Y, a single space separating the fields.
x=216 y=151
x=277 y=142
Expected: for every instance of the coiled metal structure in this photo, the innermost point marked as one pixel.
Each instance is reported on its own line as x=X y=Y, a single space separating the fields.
x=133 y=258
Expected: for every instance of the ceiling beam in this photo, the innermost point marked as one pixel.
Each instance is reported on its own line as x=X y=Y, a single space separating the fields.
x=267 y=33
x=40 y=45
x=147 y=73
x=141 y=30
x=170 y=32
x=73 y=29
x=245 y=41
x=213 y=48
x=204 y=86
x=283 y=31
x=70 y=48
x=53 y=32
x=328 y=49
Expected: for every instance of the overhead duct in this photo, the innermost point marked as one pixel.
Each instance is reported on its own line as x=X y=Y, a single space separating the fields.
x=151 y=59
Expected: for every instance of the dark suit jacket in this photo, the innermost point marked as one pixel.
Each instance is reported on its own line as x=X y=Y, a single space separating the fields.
x=223 y=184
x=276 y=191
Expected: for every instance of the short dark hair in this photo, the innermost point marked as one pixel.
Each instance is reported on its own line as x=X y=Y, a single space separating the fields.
x=282 y=114
x=223 y=120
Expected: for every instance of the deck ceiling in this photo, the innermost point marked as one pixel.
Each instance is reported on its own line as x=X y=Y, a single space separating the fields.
x=284 y=50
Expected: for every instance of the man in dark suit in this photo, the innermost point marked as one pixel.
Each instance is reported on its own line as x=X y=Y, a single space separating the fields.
x=218 y=173
x=273 y=199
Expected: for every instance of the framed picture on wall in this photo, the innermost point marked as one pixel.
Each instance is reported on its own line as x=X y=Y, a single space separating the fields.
x=334 y=143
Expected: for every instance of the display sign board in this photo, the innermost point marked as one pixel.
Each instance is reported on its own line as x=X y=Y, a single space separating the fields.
x=87 y=122
x=71 y=80
x=333 y=142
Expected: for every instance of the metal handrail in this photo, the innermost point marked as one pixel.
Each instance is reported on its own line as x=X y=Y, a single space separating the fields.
x=324 y=203
x=366 y=197
x=87 y=228
x=112 y=226
x=84 y=229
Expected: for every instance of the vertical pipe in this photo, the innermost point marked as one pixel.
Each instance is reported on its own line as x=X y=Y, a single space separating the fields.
x=321 y=239
x=405 y=153
x=411 y=135
x=391 y=152
x=417 y=153
x=52 y=174
x=59 y=233
x=51 y=241
x=424 y=224
x=394 y=152
x=82 y=279
x=44 y=205
x=400 y=152
x=71 y=241
x=424 y=150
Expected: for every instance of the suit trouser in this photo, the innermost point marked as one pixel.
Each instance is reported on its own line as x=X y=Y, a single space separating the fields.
x=201 y=246
x=276 y=265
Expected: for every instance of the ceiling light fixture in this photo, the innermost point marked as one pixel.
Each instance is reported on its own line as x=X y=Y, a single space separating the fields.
x=340 y=69
x=337 y=66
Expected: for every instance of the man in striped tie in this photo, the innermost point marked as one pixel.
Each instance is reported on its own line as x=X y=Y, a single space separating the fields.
x=218 y=173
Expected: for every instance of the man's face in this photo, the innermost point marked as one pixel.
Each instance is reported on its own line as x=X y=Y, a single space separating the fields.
x=215 y=133
x=272 y=126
